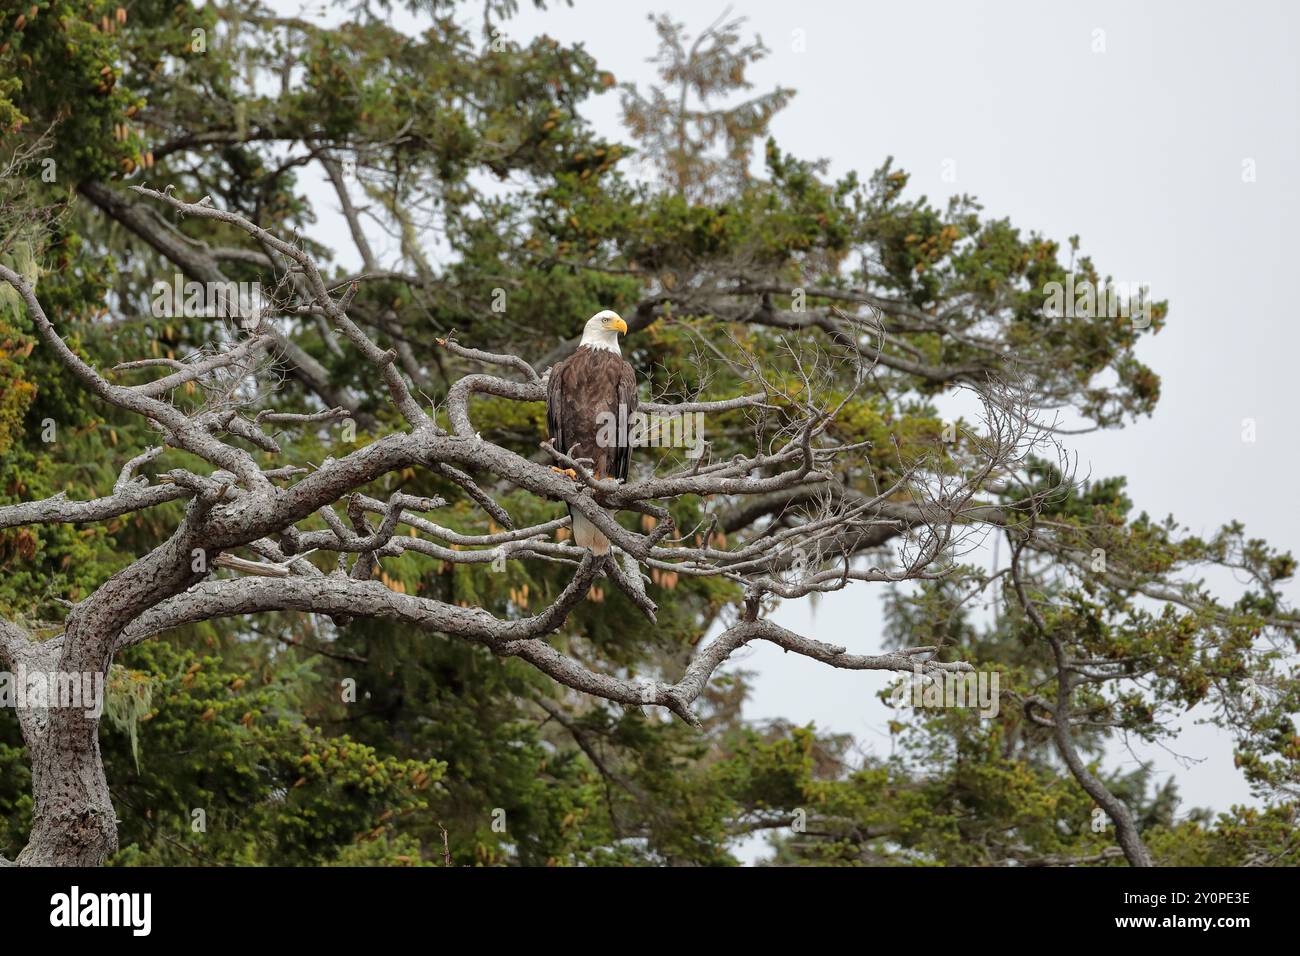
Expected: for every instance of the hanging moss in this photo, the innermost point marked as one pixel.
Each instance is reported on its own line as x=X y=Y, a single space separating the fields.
x=127 y=702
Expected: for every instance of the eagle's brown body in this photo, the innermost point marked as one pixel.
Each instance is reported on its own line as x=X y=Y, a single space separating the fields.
x=590 y=400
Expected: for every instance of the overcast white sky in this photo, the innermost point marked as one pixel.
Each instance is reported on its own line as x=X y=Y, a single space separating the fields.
x=1139 y=148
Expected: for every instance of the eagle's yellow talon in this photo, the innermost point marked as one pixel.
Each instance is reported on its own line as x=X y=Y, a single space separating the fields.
x=566 y=471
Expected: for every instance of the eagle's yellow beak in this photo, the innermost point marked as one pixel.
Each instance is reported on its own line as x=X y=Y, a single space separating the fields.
x=618 y=325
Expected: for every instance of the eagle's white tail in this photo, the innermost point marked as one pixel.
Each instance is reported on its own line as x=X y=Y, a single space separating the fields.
x=587 y=535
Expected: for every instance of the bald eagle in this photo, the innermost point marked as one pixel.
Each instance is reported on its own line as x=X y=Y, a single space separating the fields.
x=591 y=397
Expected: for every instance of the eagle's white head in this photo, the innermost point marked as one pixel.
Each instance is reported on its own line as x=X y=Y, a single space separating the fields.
x=602 y=329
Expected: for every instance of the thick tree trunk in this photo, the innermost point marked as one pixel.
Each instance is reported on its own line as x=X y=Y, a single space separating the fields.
x=73 y=822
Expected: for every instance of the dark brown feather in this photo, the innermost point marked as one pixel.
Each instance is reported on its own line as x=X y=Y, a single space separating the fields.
x=586 y=390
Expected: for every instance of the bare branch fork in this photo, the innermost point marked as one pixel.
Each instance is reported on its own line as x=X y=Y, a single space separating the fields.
x=234 y=503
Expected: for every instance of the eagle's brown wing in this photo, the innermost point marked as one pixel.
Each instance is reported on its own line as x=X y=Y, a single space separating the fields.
x=555 y=406
x=628 y=400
